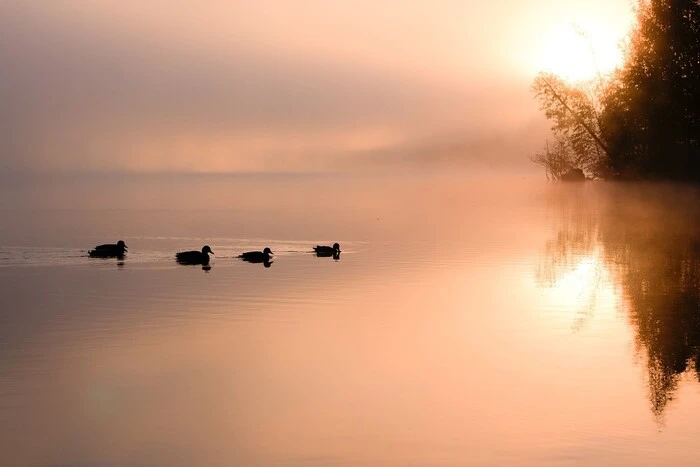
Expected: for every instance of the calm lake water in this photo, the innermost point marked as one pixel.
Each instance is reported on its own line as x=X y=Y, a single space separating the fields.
x=470 y=321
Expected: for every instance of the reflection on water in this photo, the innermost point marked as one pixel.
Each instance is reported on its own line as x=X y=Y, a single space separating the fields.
x=645 y=239
x=266 y=262
x=432 y=342
x=335 y=255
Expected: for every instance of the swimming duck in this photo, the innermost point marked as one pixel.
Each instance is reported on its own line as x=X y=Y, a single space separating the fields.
x=257 y=256
x=109 y=250
x=322 y=250
x=194 y=257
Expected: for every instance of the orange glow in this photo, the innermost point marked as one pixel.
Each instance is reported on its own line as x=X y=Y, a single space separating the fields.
x=241 y=86
x=585 y=290
x=579 y=53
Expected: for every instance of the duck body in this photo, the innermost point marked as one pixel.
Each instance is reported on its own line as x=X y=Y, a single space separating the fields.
x=109 y=250
x=326 y=251
x=257 y=256
x=194 y=257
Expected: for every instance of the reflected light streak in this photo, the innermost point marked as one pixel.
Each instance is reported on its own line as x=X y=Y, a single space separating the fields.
x=585 y=290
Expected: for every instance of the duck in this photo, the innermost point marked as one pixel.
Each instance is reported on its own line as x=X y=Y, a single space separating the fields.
x=109 y=250
x=257 y=256
x=194 y=257
x=322 y=250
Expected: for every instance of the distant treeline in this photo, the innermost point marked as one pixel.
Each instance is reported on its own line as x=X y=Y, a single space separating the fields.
x=643 y=121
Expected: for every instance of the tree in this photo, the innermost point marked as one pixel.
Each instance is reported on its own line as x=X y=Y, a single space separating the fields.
x=651 y=117
x=557 y=158
x=643 y=122
x=575 y=112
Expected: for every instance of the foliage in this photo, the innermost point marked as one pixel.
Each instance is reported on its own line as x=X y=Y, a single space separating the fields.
x=652 y=113
x=576 y=127
x=643 y=122
x=557 y=158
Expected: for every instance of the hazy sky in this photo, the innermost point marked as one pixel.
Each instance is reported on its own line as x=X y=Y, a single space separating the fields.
x=273 y=85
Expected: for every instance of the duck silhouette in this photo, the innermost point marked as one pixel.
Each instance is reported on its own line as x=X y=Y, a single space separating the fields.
x=258 y=256
x=109 y=250
x=327 y=251
x=194 y=257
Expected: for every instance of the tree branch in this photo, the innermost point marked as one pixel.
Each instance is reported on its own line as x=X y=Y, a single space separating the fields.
x=578 y=118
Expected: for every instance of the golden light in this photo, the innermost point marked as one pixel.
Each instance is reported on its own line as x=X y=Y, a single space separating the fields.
x=585 y=289
x=578 y=282
x=579 y=52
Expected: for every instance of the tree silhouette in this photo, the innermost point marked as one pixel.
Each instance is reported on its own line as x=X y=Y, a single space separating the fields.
x=652 y=113
x=576 y=127
x=644 y=122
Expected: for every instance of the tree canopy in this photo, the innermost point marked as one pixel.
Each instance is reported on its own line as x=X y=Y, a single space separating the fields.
x=644 y=121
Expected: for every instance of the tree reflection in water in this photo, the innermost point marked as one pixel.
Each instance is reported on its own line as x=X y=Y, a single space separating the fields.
x=646 y=240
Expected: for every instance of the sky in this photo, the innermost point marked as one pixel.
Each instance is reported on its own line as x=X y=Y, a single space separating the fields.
x=234 y=86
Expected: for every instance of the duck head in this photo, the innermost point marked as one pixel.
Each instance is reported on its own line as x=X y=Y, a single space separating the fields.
x=336 y=247
x=206 y=250
x=121 y=244
x=267 y=251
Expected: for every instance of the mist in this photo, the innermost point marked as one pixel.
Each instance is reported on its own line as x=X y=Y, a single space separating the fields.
x=234 y=87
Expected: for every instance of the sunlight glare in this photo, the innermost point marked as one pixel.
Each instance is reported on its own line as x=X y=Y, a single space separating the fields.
x=579 y=52
x=586 y=288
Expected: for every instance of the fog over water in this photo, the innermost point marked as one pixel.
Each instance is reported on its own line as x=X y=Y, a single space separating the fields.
x=468 y=320
x=475 y=315
x=240 y=86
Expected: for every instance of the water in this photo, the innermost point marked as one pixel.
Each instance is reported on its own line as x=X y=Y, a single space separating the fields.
x=469 y=321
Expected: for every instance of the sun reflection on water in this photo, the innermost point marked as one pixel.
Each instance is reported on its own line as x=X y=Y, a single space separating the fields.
x=584 y=290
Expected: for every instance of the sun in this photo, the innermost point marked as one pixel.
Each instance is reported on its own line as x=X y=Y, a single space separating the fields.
x=578 y=52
